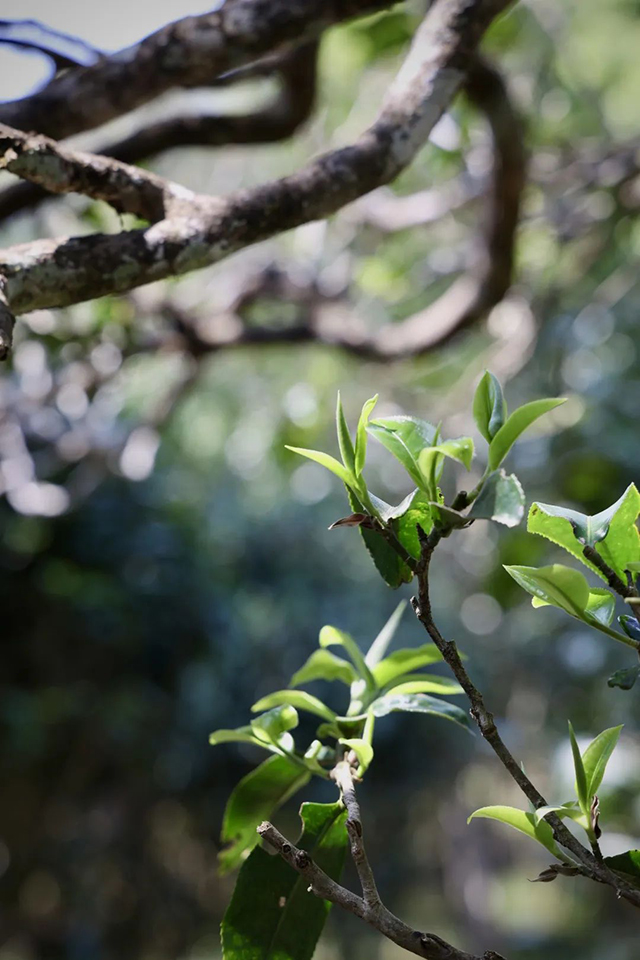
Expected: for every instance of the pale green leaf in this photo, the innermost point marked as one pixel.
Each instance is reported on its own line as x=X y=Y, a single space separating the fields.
x=295 y=698
x=270 y=726
x=381 y=643
x=405 y=661
x=332 y=636
x=596 y=757
x=522 y=821
x=325 y=460
x=582 y=788
x=405 y=437
x=344 y=438
x=324 y=665
x=489 y=407
x=361 y=434
x=556 y=584
x=362 y=750
x=424 y=683
x=396 y=702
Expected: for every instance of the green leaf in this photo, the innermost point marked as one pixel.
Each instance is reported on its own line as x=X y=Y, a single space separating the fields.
x=253 y=800
x=344 y=438
x=324 y=665
x=362 y=750
x=271 y=726
x=271 y=915
x=381 y=643
x=295 y=698
x=424 y=683
x=396 y=702
x=613 y=529
x=634 y=567
x=460 y=449
x=627 y=863
x=522 y=821
x=489 y=407
x=624 y=679
x=582 y=788
x=389 y=565
x=387 y=512
x=601 y=605
x=557 y=585
x=630 y=626
x=405 y=438
x=331 y=636
x=361 y=434
x=596 y=757
x=516 y=424
x=501 y=499
x=325 y=460
x=419 y=512
x=405 y=661
x=239 y=735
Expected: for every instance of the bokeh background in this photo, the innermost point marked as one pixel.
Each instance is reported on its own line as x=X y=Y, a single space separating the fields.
x=164 y=561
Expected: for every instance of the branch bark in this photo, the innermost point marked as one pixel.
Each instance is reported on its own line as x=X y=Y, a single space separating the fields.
x=54 y=273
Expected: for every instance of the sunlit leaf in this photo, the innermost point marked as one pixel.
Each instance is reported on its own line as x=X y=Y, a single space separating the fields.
x=424 y=683
x=397 y=702
x=270 y=726
x=332 y=636
x=406 y=527
x=405 y=661
x=325 y=460
x=596 y=757
x=563 y=810
x=271 y=915
x=489 y=407
x=239 y=735
x=515 y=425
x=344 y=438
x=613 y=531
x=362 y=750
x=253 y=800
x=522 y=821
x=381 y=643
x=601 y=605
x=295 y=698
x=405 y=437
x=324 y=665
x=556 y=584
x=361 y=434
x=582 y=789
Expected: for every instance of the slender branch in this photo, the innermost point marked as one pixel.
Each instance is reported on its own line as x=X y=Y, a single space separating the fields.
x=369 y=907
x=590 y=866
x=623 y=589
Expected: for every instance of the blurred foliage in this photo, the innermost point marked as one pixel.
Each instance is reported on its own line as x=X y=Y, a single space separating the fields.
x=162 y=567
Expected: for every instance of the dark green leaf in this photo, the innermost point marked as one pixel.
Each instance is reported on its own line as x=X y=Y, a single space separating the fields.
x=489 y=407
x=516 y=424
x=627 y=863
x=391 y=568
x=395 y=702
x=501 y=499
x=271 y=915
x=419 y=512
x=253 y=800
x=324 y=665
x=624 y=679
x=630 y=626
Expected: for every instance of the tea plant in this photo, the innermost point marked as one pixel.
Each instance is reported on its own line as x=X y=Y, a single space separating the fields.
x=280 y=903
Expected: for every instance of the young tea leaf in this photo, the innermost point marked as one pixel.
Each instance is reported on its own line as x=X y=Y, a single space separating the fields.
x=489 y=407
x=253 y=800
x=381 y=643
x=361 y=435
x=424 y=683
x=419 y=512
x=274 y=723
x=557 y=585
x=331 y=636
x=325 y=460
x=344 y=438
x=396 y=702
x=405 y=437
x=524 y=822
x=271 y=915
x=389 y=565
x=405 y=661
x=324 y=665
x=362 y=750
x=295 y=698
x=596 y=757
x=582 y=789
x=516 y=424
x=601 y=605
x=239 y=735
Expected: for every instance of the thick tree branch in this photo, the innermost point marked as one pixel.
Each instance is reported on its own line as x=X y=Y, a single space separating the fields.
x=188 y=53
x=61 y=272
x=589 y=865
x=277 y=121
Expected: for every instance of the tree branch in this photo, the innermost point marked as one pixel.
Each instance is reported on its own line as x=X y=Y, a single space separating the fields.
x=187 y=53
x=277 y=121
x=590 y=866
x=53 y=273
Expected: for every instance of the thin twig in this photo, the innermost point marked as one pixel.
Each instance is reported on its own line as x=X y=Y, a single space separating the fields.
x=343 y=776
